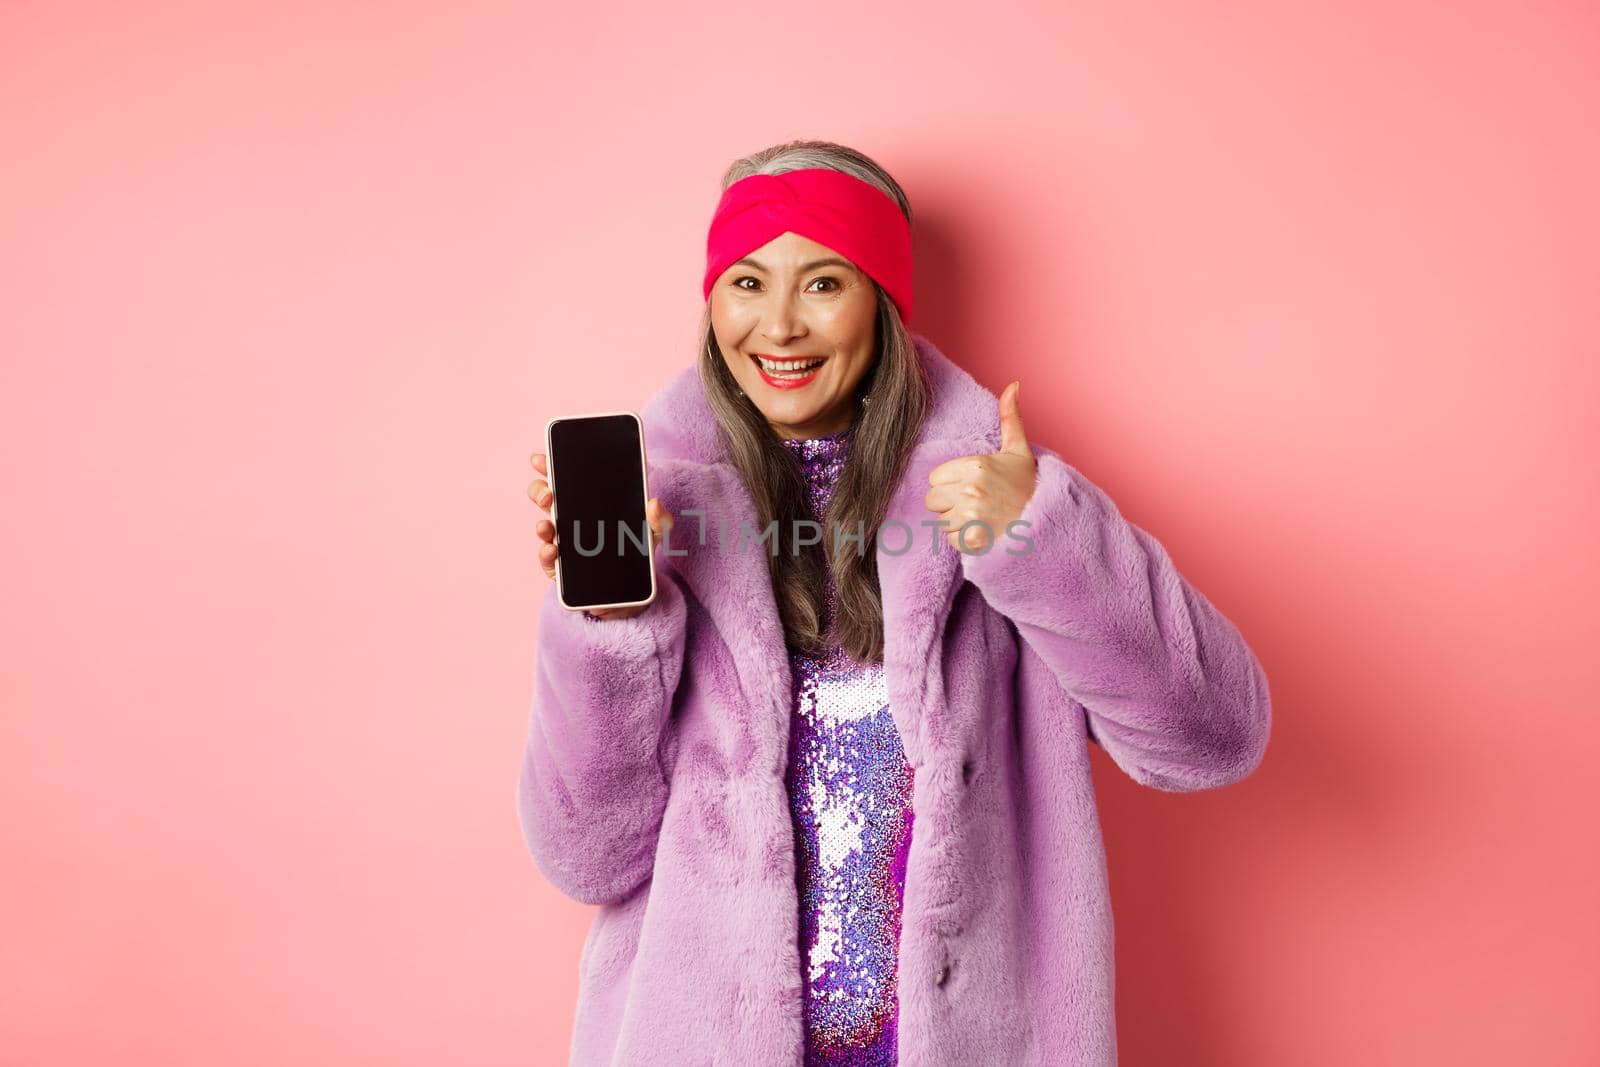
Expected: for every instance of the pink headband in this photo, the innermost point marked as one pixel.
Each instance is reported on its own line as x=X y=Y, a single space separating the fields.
x=853 y=218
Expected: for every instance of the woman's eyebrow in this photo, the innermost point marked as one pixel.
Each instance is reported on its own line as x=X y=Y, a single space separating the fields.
x=831 y=261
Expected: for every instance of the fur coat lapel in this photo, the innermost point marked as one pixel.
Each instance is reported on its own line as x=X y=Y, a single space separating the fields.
x=690 y=469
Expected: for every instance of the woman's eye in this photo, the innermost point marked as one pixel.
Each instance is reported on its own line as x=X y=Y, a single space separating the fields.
x=738 y=283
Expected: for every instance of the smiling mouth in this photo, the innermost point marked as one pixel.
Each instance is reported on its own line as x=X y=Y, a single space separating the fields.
x=791 y=370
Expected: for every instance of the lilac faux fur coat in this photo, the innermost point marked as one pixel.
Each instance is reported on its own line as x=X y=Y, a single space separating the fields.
x=652 y=783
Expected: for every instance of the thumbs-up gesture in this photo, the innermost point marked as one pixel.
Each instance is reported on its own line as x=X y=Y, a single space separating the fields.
x=990 y=489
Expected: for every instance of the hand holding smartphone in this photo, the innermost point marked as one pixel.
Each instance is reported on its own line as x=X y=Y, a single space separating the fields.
x=591 y=544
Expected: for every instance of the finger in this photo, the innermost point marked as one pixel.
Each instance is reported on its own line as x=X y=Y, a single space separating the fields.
x=537 y=459
x=539 y=492
x=546 y=531
x=975 y=538
x=960 y=469
x=1012 y=439
x=660 y=519
x=941 y=498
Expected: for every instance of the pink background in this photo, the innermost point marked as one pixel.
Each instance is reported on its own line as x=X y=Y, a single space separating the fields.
x=289 y=291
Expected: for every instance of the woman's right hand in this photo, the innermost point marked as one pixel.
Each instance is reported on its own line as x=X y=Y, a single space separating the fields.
x=540 y=493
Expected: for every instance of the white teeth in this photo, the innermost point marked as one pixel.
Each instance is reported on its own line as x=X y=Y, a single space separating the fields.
x=787 y=368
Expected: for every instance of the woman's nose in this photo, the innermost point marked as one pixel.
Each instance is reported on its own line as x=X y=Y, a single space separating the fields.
x=781 y=321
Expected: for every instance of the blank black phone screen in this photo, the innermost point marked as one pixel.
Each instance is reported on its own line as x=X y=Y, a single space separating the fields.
x=603 y=539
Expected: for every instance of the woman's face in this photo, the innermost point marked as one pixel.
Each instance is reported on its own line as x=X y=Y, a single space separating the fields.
x=793 y=297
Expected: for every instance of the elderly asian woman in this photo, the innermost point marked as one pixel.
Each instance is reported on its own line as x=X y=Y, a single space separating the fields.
x=831 y=788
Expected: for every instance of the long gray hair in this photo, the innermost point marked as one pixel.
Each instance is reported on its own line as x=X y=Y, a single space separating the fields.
x=884 y=433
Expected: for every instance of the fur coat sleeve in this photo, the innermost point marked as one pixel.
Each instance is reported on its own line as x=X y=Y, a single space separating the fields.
x=1170 y=689
x=592 y=787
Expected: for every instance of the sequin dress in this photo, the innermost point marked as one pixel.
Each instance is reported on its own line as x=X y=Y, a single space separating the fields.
x=849 y=786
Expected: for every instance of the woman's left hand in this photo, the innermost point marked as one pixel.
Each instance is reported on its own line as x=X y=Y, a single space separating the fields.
x=989 y=489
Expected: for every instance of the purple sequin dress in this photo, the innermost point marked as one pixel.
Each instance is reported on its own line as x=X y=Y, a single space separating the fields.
x=849 y=787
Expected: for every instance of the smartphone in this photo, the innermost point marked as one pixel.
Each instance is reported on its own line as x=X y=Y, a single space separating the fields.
x=596 y=468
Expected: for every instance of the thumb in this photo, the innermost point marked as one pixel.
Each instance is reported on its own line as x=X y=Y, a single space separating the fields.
x=658 y=516
x=1012 y=439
